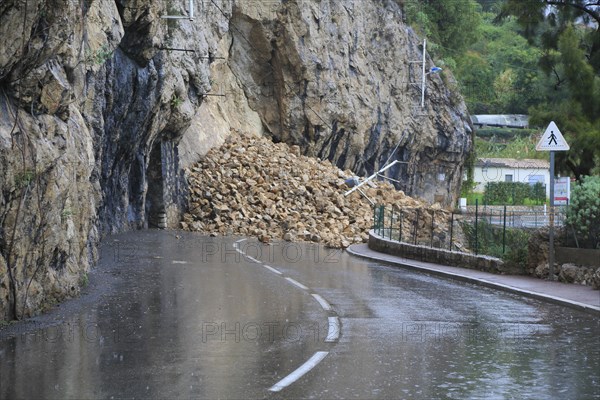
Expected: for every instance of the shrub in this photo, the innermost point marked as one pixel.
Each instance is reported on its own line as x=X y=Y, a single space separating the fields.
x=515 y=193
x=489 y=242
x=583 y=213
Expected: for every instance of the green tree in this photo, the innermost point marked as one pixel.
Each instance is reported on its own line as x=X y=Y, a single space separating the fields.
x=451 y=24
x=505 y=89
x=578 y=71
x=547 y=19
x=583 y=214
x=582 y=135
x=568 y=34
x=576 y=110
x=499 y=73
x=475 y=75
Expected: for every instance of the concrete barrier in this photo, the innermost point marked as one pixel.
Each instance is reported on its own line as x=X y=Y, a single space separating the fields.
x=437 y=256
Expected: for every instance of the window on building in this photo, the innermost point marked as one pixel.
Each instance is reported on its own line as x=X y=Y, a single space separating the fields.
x=508 y=178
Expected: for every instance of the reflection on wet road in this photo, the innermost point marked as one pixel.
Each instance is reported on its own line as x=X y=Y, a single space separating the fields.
x=187 y=316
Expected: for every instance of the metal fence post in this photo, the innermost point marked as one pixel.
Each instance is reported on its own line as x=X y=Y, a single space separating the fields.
x=382 y=210
x=391 y=222
x=504 y=233
x=451 y=230
x=401 y=218
x=476 y=222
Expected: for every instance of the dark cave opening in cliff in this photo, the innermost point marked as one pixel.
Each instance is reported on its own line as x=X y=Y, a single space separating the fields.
x=155 y=200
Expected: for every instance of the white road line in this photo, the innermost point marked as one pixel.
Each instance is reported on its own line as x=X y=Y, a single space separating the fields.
x=326 y=306
x=254 y=259
x=300 y=372
x=240 y=241
x=294 y=282
x=272 y=269
x=179 y=262
x=333 y=333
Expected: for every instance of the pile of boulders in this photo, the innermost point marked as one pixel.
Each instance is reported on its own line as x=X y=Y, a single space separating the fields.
x=251 y=186
x=571 y=273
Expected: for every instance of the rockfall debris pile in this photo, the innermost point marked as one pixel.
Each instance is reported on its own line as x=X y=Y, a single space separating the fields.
x=251 y=186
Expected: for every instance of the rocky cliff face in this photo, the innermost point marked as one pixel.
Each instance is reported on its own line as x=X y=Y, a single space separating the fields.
x=103 y=103
x=337 y=78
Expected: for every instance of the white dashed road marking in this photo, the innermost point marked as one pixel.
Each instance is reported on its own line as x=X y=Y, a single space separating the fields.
x=324 y=304
x=333 y=332
x=300 y=372
x=294 y=282
x=179 y=262
x=272 y=269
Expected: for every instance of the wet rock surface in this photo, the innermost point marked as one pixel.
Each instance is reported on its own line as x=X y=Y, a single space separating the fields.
x=251 y=186
x=571 y=273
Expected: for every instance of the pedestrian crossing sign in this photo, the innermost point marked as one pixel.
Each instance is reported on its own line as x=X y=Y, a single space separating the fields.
x=552 y=140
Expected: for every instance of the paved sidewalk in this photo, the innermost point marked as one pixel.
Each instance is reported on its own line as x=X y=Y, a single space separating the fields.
x=576 y=296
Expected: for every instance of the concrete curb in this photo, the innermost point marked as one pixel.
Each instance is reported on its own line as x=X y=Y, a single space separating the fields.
x=386 y=258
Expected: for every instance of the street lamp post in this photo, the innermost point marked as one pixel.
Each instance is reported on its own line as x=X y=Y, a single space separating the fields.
x=423 y=75
x=433 y=70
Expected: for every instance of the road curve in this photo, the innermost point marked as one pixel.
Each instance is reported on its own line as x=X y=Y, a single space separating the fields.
x=186 y=316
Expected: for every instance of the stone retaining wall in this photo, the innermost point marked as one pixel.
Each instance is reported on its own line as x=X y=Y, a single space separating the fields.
x=568 y=273
x=438 y=256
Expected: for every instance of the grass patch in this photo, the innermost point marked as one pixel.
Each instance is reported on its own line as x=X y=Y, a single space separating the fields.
x=471 y=197
x=518 y=148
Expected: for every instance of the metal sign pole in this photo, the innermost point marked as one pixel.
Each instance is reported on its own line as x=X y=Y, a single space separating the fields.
x=551 y=234
x=552 y=140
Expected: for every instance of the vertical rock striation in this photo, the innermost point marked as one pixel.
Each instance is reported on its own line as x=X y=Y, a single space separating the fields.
x=91 y=113
x=103 y=103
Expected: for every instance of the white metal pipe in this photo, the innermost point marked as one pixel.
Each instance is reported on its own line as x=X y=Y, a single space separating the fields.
x=367 y=197
x=371 y=177
x=191 y=10
x=423 y=75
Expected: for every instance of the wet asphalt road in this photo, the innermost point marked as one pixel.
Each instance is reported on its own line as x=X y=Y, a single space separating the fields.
x=177 y=315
